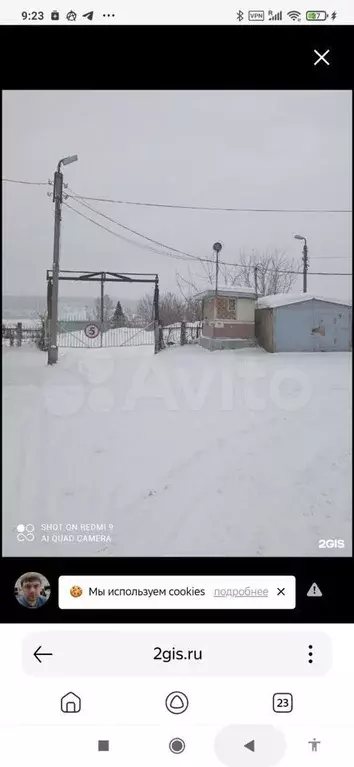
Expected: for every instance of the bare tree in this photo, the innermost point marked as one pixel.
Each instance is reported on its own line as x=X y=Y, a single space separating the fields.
x=265 y=273
x=171 y=308
x=145 y=309
x=191 y=283
x=108 y=309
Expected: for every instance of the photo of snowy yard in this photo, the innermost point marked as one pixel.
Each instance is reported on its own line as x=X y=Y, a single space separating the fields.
x=120 y=452
x=177 y=323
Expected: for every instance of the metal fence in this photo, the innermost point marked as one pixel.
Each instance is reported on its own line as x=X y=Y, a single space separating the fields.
x=19 y=334
x=181 y=333
x=72 y=335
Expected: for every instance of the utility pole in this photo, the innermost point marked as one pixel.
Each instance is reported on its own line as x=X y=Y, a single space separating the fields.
x=217 y=248
x=256 y=280
x=306 y=266
x=57 y=199
x=102 y=306
x=305 y=261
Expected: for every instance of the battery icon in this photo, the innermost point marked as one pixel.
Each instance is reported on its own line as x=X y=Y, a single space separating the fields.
x=316 y=15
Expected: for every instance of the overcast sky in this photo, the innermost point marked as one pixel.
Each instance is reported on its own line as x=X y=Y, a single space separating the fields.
x=229 y=149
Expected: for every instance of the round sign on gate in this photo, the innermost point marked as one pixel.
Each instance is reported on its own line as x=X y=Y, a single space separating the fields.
x=92 y=330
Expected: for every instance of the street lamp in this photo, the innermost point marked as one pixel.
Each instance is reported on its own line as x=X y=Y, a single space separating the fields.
x=53 y=319
x=68 y=160
x=217 y=248
x=304 y=259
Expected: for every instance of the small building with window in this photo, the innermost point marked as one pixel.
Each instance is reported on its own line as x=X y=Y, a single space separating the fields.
x=303 y=322
x=228 y=317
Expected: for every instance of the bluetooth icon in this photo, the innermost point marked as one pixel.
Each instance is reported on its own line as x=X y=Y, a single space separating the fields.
x=240 y=16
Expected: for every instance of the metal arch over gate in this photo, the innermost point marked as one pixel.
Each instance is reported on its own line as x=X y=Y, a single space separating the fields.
x=108 y=336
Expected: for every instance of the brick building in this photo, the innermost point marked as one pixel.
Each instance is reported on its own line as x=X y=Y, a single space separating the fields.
x=228 y=318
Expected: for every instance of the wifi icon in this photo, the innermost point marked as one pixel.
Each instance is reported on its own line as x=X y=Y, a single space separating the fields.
x=294 y=15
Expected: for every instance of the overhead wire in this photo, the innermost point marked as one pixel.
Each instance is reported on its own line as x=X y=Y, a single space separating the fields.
x=133 y=231
x=29 y=183
x=211 y=208
x=194 y=207
x=177 y=253
x=120 y=236
x=197 y=258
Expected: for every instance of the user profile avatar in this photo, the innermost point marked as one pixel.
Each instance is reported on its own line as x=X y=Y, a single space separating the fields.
x=32 y=590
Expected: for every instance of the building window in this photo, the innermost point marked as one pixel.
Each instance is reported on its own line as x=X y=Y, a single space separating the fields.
x=232 y=305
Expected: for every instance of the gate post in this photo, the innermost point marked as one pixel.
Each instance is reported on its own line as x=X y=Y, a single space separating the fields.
x=157 y=328
x=19 y=333
x=102 y=305
x=47 y=323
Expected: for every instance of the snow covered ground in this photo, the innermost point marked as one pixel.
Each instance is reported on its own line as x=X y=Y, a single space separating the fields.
x=184 y=453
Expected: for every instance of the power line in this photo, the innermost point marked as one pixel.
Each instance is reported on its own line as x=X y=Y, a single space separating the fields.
x=330 y=274
x=169 y=247
x=29 y=183
x=120 y=236
x=194 y=258
x=191 y=207
x=134 y=231
x=180 y=254
x=211 y=208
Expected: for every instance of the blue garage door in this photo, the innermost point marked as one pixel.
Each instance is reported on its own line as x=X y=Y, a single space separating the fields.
x=312 y=326
x=331 y=326
x=293 y=328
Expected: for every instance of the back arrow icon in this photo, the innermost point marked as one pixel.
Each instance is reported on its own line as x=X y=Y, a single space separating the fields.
x=37 y=654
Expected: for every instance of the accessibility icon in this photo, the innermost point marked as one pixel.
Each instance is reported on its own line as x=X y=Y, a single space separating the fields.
x=314 y=591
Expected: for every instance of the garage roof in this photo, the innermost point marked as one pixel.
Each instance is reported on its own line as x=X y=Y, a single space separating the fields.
x=282 y=299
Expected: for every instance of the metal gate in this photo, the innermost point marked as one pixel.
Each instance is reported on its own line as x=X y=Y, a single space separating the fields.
x=76 y=335
x=77 y=338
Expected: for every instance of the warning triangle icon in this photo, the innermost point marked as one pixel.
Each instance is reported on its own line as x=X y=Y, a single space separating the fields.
x=314 y=591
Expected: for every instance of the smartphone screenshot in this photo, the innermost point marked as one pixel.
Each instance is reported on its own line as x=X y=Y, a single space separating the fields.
x=176 y=533
x=214 y=695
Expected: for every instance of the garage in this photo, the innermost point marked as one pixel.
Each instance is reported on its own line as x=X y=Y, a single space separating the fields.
x=303 y=322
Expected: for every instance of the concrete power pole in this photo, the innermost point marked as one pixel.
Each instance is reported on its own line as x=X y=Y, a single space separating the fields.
x=306 y=266
x=53 y=330
x=305 y=261
x=57 y=199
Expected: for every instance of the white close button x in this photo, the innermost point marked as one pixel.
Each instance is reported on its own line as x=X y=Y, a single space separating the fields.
x=321 y=57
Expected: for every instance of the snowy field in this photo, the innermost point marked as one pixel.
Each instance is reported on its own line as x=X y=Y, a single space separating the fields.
x=184 y=453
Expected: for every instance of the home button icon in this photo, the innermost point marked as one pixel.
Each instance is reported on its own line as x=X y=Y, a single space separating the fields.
x=70 y=703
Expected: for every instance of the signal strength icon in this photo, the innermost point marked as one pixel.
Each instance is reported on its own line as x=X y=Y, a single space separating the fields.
x=294 y=15
x=276 y=17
